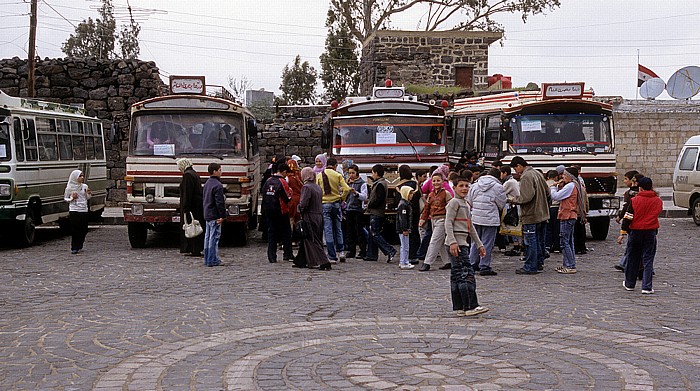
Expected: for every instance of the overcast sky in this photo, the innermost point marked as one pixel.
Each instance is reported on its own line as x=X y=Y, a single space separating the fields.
x=593 y=41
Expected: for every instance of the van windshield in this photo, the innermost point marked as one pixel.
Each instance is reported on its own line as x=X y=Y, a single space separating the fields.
x=186 y=134
x=4 y=141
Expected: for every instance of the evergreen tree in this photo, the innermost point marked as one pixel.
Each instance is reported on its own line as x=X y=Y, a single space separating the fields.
x=298 y=83
x=339 y=64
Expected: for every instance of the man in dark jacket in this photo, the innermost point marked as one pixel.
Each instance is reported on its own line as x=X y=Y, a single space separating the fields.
x=376 y=207
x=214 y=214
x=276 y=197
x=190 y=202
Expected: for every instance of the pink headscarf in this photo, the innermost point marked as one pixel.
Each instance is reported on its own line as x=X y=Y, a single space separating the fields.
x=443 y=170
x=308 y=174
x=323 y=160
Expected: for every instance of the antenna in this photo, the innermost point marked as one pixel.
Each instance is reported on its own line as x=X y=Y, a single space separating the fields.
x=685 y=83
x=652 y=88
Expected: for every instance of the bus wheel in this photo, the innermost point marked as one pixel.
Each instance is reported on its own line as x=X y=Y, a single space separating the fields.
x=27 y=231
x=599 y=227
x=696 y=211
x=138 y=234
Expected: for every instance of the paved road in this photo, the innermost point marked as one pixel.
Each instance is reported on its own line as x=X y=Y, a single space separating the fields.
x=121 y=319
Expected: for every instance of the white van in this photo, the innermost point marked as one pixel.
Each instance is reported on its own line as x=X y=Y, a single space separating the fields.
x=686 y=179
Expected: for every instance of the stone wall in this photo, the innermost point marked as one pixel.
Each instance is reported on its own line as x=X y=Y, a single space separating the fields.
x=296 y=130
x=650 y=134
x=427 y=58
x=107 y=88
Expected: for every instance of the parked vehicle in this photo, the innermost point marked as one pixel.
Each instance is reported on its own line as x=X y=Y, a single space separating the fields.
x=686 y=179
x=40 y=144
x=206 y=126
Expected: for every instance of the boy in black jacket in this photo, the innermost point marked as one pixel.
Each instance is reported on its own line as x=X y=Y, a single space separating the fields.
x=376 y=207
x=404 y=217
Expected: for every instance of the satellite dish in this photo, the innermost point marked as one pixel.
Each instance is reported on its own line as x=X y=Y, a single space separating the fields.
x=685 y=83
x=652 y=88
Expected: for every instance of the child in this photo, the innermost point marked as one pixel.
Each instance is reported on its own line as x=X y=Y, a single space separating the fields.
x=642 y=222
x=404 y=215
x=435 y=211
x=457 y=227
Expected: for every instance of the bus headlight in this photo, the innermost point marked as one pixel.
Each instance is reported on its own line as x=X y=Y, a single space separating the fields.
x=233 y=210
x=5 y=190
x=137 y=210
x=611 y=203
x=150 y=197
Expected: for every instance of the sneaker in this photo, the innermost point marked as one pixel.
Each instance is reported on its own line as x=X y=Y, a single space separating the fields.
x=407 y=267
x=460 y=313
x=333 y=261
x=390 y=258
x=73 y=251
x=523 y=271
x=619 y=267
x=446 y=266
x=424 y=267
x=625 y=286
x=488 y=272
x=476 y=311
x=341 y=256
x=566 y=270
x=647 y=291
x=540 y=267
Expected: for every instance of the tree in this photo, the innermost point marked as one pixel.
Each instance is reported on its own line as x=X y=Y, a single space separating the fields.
x=339 y=64
x=239 y=86
x=298 y=83
x=96 y=38
x=364 y=17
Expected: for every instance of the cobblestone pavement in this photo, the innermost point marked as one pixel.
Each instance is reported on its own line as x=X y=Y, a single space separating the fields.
x=114 y=318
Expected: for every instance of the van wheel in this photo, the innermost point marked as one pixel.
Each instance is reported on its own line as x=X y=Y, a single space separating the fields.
x=138 y=234
x=27 y=230
x=599 y=227
x=696 y=211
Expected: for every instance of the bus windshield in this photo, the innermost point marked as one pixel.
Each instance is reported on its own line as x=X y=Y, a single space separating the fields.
x=4 y=141
x=187 y=133
x=561 y=133
x=372 y=135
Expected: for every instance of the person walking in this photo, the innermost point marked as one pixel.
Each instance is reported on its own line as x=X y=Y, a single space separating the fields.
x=404 y=217
x=214 y=214
x=311 y=252
x=487 y=198
x=335 y=190
x=376 y=208
x=191 y=206
x=356 y=232
x=435 y=211
x=77 y=195
x=571 y=208
x=458 y=227
x=641 y=222
x=276 y=197
x=534 y=208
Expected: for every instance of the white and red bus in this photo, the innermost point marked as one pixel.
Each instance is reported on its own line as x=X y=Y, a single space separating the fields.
x=560 y=124
x=205 y=127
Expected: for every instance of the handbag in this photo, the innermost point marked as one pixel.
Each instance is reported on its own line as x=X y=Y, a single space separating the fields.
x=511 y=225
x=301 y=230
x=511 y=217
x=193 y=229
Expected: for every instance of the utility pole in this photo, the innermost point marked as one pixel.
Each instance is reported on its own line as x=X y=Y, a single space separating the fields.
x=32 y=50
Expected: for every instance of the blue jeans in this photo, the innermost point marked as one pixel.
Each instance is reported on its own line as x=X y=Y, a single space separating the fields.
x=425 y=241
x=376 y=240
x=462 y=281
x=641 y=246
x=403 y=259
x=488 y=238
x=211 y=243
x=533 y=235
x=332 y=230
x=566 y=242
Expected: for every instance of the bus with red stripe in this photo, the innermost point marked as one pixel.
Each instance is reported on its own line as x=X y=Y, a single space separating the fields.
x=204 y=126
x=559 y=124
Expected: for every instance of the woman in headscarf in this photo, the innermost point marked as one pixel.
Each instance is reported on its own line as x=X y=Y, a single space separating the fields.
x=77 y=195
x=295 y=183
x=320 y=163
x=191 y=201
x=311 y=252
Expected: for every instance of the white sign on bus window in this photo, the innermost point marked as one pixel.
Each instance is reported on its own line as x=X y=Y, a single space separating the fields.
x=164 y=149
x=531 y=126
x=386 y=138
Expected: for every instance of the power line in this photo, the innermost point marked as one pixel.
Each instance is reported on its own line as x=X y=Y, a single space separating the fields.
x=59 y=14
x=603 y=24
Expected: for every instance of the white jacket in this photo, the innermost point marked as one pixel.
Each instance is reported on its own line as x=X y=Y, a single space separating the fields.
x=487 y=197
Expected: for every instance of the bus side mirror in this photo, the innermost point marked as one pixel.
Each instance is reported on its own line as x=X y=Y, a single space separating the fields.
x=326 y=136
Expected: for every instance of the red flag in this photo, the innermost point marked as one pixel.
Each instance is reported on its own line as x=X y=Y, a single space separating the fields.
x=644 y=74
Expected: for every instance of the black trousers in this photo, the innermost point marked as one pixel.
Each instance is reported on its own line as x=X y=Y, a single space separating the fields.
x=580 y=237
x=279 y=230
x=356 y=232
x=79 y=229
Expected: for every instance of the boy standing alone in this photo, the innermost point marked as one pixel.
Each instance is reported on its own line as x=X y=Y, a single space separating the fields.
x=214 y=214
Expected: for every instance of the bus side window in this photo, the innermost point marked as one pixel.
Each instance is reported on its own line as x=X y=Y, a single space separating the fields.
x=30 y=150
x=89 y=142
x=78 y=140
x=19 y=148
x=46 y=135
x=470 y=134
x=99 y=143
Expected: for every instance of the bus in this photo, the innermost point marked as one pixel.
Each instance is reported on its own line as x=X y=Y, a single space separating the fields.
x=40 y=144
x=389 y=128
x=559 y=124
x=206 y=125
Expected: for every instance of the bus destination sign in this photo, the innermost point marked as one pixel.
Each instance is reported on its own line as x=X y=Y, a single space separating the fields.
x=187 y=85
x=562 y=90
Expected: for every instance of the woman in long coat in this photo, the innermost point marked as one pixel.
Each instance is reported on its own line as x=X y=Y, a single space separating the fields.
x=311 y=252
x=190 y=201
x=295 y=183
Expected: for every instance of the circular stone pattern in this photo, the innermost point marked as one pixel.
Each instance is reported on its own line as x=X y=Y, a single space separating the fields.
x=408 y=354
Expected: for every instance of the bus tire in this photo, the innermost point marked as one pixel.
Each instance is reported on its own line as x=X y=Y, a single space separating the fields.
x=27 y=230
x=138 y=234
x=695 y=210
x=599 y=227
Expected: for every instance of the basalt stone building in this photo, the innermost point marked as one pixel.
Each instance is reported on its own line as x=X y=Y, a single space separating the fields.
x=437 y=58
